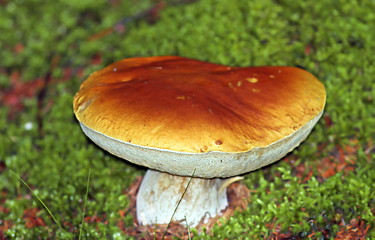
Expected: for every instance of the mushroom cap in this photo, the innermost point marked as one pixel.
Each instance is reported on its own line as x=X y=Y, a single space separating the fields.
x=180 y=115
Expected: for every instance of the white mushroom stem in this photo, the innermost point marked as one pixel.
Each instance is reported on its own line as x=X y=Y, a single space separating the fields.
x=160 y=193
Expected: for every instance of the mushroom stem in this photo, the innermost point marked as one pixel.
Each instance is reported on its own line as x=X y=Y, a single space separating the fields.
x=160 y=193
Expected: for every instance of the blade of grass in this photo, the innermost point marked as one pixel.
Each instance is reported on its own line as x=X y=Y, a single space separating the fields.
x=178 y=204
x=84 y=204
x=39 y=199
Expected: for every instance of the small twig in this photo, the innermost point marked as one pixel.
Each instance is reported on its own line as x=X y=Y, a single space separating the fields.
x=188 y=229
x=369 y=149
x=151 y=14
x=42 y=94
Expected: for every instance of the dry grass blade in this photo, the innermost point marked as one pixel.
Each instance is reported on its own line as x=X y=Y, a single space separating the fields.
x=40 y=200
x=178 y=204
x=84 y=204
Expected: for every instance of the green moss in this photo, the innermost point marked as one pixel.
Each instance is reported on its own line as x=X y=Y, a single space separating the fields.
x=332 y=39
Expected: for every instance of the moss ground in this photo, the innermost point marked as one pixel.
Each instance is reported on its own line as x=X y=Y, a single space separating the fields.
x=325 y=189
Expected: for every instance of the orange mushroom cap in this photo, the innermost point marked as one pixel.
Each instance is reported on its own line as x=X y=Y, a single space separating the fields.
x=181 y=105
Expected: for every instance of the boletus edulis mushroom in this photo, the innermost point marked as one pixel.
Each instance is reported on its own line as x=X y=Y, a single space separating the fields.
x=181 y=117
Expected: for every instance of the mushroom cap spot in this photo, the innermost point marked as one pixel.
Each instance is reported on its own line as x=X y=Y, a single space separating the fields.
x=177 y=107
x=252 y=80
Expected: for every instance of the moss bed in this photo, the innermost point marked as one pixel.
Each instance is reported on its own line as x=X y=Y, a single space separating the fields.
x=325 y=189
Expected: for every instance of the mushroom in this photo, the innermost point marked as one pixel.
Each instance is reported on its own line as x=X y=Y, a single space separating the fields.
x=191 y=120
